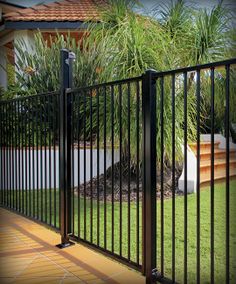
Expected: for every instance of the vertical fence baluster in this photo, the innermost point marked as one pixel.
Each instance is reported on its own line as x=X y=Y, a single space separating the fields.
x=37 y=155
x=212 y=172
x=84 y=137
x=105 y=168
x=185 y=181
x=2 y=121
x=13 y=153
x=4 y=151
x=79 y=168
x=58 y=125
x=16 y=155
x=41 y=160
x=1 y=152
x=12 y=156
x=91 y=167
x=162 y=172
x=137 y=169
x=98 y=170
x=54 y=118
x=129 y=157
x=29 y=152
x=26 y=157
x=9 y=156
x=22 y=157
x=227 y=208
x=33 y=153
x=50 y=156
x=19 y=156
x=72 y=165
x=198 y=176
x=120 y=166
x=45 y=132
x=12 y=159
x=5 y=154
x=112 y=168
x=173 y=177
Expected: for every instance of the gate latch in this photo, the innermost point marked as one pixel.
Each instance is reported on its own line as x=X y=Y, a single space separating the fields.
x=71 y=57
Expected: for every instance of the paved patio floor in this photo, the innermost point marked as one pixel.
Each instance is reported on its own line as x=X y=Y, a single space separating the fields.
x=28 y=255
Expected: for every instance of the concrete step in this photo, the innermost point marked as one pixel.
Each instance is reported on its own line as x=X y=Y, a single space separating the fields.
x=204 y=146
x=219 y=162
x=219 y=166
x=205 y=179
x=218 y=154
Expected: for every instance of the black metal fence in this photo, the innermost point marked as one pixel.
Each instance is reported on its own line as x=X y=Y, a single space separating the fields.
x=102 y=163
x=30 y=156
x=199 y=244
x=105 y=167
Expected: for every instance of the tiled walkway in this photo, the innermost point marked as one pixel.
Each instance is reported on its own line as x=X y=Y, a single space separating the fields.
x=28 y=255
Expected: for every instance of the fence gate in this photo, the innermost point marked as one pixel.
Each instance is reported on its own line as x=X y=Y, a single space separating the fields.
x=101 y=164
x=189 y=238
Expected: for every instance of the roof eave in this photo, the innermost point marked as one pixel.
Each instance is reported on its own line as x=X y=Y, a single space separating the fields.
x=12 y=4
x=25 y=25
x=2 y=27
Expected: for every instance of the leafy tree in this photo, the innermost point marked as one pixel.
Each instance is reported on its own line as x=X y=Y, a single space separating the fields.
x=125 y=44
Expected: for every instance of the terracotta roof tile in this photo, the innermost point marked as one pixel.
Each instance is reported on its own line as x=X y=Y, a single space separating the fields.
x=67 y=10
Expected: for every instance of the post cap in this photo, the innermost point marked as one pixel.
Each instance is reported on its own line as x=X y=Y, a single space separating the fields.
x=72 y=55
x=151 y=71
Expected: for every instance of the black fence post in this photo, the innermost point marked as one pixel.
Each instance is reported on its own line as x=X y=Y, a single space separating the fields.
x=65 y=147
x=149 y=175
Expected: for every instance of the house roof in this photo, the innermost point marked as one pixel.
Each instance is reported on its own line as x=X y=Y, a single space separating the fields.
x=59 y=11
x=8 y=8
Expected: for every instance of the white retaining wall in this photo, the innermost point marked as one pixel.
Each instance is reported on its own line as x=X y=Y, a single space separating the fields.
x=191 y=172
x=30 y=173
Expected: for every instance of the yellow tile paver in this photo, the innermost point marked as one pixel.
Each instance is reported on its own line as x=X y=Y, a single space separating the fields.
x=28 y=255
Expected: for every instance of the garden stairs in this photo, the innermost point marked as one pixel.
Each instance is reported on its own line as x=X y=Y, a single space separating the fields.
x=219 y=162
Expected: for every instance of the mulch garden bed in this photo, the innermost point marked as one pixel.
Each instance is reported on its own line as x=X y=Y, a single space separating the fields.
x=90 y=187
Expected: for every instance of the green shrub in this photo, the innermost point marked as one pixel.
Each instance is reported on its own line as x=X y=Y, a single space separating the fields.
x=10 y=74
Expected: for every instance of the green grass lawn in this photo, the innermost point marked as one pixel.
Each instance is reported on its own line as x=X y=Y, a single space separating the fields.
x=220 y=217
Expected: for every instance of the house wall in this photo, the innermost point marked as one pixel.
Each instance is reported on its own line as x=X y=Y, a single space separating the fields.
x=12 y=38
x=28 y=38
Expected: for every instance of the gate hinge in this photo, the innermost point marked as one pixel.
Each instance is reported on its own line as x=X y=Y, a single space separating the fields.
x=156 y=275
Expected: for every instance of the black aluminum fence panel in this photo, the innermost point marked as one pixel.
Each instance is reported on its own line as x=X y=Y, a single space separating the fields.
x=106 y=176
x=103 y=165
x=29 y=158
x=195 y=235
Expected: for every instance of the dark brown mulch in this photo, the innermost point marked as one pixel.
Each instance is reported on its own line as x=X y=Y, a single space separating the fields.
x=134 y=187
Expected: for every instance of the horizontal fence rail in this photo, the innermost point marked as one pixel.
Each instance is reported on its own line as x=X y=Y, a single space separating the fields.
x=133 y=168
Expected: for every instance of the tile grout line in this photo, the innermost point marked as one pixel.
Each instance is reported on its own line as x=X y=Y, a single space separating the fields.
x=18 y=274
x=48 y=258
